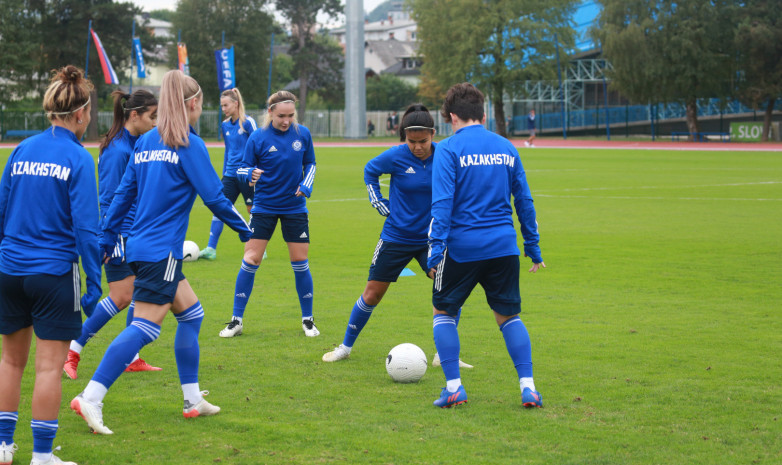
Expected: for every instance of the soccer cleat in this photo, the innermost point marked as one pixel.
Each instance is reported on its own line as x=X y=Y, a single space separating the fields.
x=526 y=143
x=340 y=353
x=310 y=330
x=54 y=460
x=92 y=414
x=208 y=254
x=436 y=362
x=201 y=409
x=71 y=364
x=530 y=398
x=7 y=453
x=264 y=255
x=234 y=328
x=141 y=365
x=449 y=399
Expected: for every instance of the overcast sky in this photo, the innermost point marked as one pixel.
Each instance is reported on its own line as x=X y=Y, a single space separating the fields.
x=149 y=5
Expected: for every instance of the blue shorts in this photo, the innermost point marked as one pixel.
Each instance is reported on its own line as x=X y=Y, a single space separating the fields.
x=157 y=282
x=391 y=258
x=48 y=303
x=295 y=227
x=232 y=187
x=499 y=278
x=118 y=272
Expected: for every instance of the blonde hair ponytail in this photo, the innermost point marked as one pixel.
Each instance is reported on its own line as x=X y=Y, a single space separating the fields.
x=236 y=96
x=173 y=124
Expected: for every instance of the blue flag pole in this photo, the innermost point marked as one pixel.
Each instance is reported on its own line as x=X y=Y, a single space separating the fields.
x=132 y=52
x=220 y=107
x=87 y=64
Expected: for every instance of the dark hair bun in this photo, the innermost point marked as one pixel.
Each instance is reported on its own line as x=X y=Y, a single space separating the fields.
x=70 y=74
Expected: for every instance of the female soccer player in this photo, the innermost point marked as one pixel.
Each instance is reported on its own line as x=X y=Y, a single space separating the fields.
x=170 y=165
x=404 y=235
x=134 y=114
x=282 y=149
x=48 y=220
x=236 y=129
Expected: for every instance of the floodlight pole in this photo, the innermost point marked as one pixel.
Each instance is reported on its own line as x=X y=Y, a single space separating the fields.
x=355 y=84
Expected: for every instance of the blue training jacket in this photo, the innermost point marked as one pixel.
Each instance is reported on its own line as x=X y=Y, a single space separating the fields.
x=164 y=181
x=235 y=137
x=410 y=194
x=111 y=166
x=49 y=208
x=475 y=173
x=288 y=161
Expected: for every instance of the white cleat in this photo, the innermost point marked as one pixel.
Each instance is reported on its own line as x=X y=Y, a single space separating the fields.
x=310 y=330
x=92 y=414
x=234 y=328
x=436 y=362
x=201 y=409
x=52 y=461
x=7 y=453
x=340 y=353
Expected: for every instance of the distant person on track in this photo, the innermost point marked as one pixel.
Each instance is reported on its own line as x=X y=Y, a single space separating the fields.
x=530 y=142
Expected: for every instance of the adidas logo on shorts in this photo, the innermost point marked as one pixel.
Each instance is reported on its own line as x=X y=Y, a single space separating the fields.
x=303 y=235
x=272 y=149
x=410 y=170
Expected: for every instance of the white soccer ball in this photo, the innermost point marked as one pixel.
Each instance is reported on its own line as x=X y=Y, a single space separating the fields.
x=190 y=251
x=406 y=363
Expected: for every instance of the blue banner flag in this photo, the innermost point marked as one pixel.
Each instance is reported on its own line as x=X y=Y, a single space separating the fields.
x=226 y=77
x=142 y=70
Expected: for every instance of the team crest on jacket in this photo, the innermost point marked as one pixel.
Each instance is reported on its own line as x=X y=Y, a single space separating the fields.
x=297 y=145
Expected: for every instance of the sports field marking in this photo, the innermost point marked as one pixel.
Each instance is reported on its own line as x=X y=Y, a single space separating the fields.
x=630 y=197
x=694 y=186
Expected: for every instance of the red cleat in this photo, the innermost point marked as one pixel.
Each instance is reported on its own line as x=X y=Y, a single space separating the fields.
x=141 y=365
x=71 y=364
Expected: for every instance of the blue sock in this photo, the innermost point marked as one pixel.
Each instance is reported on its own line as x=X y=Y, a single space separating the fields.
x=214 y=232
x=103 y=312
x=43 y=435
x=244 y=287
x=518 y=344
x=301 y=270
x=8 y=426
x=446 y=341
x=186 y=347
x=358 y=319
x=123 y=348
x=131 y=311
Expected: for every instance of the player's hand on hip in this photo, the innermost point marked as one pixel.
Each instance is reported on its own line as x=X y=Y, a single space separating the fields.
x=536 y=267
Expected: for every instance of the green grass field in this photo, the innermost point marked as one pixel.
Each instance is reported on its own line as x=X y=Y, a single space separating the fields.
x=656 y=333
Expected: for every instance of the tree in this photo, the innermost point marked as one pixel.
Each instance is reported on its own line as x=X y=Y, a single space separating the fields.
x=50 y=34
x=759 y=51
x=499 y=45
x=247 y=27
x=388 y=92
x=669 y=51
x=302 y=16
